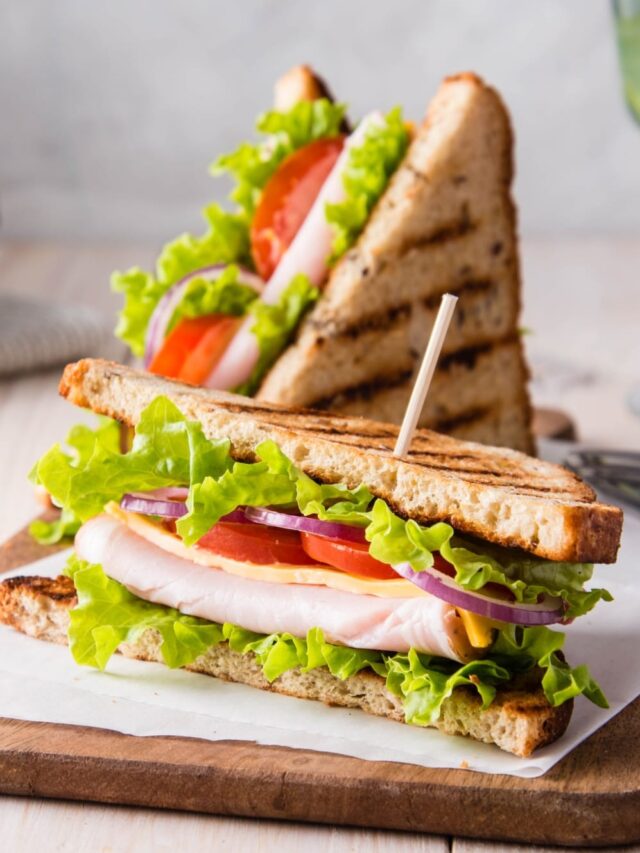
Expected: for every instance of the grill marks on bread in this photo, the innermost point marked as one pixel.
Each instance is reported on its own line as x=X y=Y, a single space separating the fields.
x=493 y=493
x=446 y=223
x=474 y=390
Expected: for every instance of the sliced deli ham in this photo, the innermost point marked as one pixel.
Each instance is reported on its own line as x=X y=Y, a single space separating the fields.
x=360 y=621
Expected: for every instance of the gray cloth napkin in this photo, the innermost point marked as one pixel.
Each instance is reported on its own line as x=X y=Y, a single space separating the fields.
x=35 y=335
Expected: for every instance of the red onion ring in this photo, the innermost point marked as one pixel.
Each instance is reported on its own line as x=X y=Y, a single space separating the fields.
x=546 y=612
x=304 y=524
x=163 y=312
x=165 y=506
x=145 y=505
x=170 y=493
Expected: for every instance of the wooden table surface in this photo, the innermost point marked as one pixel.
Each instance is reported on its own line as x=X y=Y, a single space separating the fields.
x=582 y=307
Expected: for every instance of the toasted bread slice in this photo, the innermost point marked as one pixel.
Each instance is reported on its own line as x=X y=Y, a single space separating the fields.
x=496 y=494
x=300 y=83
x=466 y=384
x=505 y=420
x=519 y=720
x=445 y=223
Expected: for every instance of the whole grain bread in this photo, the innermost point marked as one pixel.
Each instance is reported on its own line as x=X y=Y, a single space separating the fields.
x=446 y=223
x=466 y=383
x=519 y=720
x=496 y=494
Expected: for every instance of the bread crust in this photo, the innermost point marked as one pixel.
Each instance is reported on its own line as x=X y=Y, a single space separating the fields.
x=520 y=720
x=446 y=223
x=495 y=494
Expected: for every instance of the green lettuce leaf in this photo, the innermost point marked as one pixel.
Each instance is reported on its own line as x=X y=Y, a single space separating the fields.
x=107 y=614
x=226 y=241
x=329 y=501
x=527 y=647
x=369 y=167
x=82 y=440
x=275 y=324
x=51 y=532
x=272 y=481
x=223 y=295
x=167 y=450
x=424 y=682
x=394 y=540
x=252 y=164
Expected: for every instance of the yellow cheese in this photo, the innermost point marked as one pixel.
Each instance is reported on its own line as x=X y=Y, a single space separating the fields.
x=479 y=628
x=273 y=572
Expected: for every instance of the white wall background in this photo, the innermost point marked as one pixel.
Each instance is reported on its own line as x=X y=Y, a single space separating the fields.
x=111 y=112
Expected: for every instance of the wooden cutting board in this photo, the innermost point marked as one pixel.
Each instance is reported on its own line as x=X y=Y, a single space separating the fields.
x=591 y=798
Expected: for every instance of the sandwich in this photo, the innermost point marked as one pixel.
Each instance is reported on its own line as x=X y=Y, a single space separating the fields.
x=288 y=549
x=318 y=286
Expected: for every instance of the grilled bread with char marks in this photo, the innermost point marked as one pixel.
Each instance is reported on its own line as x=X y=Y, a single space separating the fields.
x=496 y=494
x=446 y=223
x=519 y=720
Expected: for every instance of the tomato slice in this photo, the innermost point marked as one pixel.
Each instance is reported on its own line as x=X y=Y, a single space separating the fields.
x=206 y=353
x=287 y=198
x=192 y=348
x=255 y=543
x=177 y=345
x=350 y=557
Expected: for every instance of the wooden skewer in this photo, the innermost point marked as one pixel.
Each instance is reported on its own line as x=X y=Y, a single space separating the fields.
x=425 y=374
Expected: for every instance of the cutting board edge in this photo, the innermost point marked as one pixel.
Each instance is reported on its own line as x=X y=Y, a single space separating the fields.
x=26 y=769
x=578 y=819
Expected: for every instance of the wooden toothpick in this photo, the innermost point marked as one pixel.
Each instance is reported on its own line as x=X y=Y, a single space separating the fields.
x=425 y=374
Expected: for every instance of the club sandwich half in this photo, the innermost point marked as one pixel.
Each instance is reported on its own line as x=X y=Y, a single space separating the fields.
x=291 y=551
x=318 y=284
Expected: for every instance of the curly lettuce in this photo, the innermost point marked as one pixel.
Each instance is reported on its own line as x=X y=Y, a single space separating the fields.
x=275 y=324
x=107 y=614
x=83 y=442
x=203 y=296
x=252 y=164
x=169 y=450
x=226 y=241
x=394 y=540
x=367 y=172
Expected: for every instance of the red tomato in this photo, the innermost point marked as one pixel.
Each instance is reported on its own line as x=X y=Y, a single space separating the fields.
x=206 y=353
x=287 y=198
x=441 y=565
x=350 y=557
x=193 y=346
x=255 y=543
x=169 y=359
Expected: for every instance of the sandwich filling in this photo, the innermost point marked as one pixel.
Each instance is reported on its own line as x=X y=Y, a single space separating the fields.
x=177 y=535
x=221 y=307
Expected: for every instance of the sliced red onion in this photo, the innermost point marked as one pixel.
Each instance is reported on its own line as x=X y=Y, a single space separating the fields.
x=146 y=505
x=170 y=493
x=165 y=308
x=238 y=516
x=545 y=612
x=304 y=524
x=308 y=254
x=169 y=505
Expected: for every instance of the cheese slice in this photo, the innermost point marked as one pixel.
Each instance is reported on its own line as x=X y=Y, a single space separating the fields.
x=271 y=572
x=479 y=628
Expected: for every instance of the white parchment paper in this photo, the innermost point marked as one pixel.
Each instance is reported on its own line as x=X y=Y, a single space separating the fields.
x=40 y=682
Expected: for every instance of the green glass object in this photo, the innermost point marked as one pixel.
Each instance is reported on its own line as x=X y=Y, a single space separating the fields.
x=627 y=16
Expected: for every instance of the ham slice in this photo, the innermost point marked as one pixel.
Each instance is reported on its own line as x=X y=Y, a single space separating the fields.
x=359 y=621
